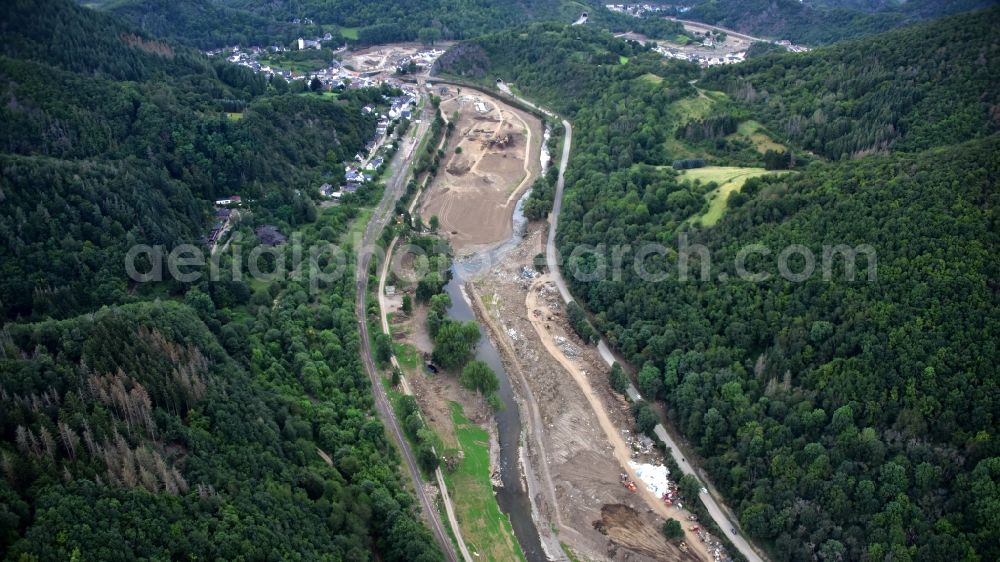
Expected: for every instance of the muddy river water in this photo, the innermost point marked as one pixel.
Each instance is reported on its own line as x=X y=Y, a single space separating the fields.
x=512 y=496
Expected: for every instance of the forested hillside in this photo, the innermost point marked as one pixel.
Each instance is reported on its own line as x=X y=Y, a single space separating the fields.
x=823 y=21
x=929 y=85
x=845 y=420
x=566 y=68
x=112 y=138
x=213 y=419
x=132 y=434
x=207 y=23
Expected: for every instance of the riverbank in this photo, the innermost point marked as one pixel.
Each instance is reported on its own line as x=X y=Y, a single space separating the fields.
x=573 y=462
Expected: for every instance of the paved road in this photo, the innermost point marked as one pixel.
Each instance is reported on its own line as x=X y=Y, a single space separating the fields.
x=394 y=187
x=552 y=260
x=720 y=29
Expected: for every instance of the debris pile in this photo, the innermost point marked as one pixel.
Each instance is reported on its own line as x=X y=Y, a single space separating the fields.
x=655 y=477
x=640 y=444
x=567 y=348
x=503 y=141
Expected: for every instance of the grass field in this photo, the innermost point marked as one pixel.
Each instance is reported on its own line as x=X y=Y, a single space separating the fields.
x=298 y=61
x=692 y=108
x=407 y=355
x=486 y=529
x=650 y=77
x=234 y=116
x=729 y=179
x=753 y=131
x=622 y=60
x=350 y=32
x=356 y=232
x=696 y=107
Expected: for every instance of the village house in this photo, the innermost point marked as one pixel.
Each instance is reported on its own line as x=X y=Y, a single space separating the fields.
x=352 y=175
x=231 y=200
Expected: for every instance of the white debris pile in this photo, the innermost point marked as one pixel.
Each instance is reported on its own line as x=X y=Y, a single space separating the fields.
x=567 y=348
x=654 y=476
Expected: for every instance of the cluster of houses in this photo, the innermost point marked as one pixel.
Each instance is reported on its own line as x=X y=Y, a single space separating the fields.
x=335 y=75
x=356 y=175
x=250 y=58
x=699 y=58
x=400 y=106
x=426 y=58
x=354 y=178
x=640 y=10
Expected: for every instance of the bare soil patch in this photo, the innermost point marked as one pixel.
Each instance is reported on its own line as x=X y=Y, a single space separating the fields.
x=474 y=194
x=624 y=527
x=574 y=449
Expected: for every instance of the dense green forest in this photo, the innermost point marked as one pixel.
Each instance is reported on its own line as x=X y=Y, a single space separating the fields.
x=929 y=85
x=205 y=23
x=213 y=419
x=845 y=420
x=123 y=139
x=823 y=21
x=214 y=23
x=132 y=433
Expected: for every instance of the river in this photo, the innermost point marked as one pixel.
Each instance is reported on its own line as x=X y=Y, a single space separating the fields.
x=512 y=497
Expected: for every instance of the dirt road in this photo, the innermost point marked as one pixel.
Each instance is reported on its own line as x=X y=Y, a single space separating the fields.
x=395 y=186
x=714 y=506
x=487 y=164
x=537 y=314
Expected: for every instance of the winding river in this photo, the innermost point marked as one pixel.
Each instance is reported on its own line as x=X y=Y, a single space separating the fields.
x=512 y=496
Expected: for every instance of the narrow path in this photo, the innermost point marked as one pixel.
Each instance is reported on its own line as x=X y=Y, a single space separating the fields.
x=621 y=449
x=394 y=187
x=449 y=508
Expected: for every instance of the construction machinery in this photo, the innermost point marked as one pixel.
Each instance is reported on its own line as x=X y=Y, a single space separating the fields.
x=502 y=141
x=627 y=482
